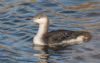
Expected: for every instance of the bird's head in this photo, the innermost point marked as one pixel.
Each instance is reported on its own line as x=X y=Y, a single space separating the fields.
x=40 y=18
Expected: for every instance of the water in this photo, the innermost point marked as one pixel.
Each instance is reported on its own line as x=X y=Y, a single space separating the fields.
x=17 y=30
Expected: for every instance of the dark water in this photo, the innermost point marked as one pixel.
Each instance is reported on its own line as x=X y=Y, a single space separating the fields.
x=17 y=30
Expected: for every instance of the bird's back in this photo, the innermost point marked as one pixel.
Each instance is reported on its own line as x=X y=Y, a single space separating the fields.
x=55 y=38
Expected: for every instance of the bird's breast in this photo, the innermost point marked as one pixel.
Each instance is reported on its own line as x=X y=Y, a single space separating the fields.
x=38 y=41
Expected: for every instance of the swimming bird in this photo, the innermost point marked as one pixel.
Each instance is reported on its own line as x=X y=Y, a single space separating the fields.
x=58 y=38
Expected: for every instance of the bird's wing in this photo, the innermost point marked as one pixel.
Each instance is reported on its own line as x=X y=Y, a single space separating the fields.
x=57 y=36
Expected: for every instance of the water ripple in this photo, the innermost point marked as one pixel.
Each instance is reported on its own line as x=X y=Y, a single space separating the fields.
x=17 y=30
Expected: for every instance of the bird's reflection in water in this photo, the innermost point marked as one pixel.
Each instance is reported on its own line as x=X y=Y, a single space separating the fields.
x=41 y=53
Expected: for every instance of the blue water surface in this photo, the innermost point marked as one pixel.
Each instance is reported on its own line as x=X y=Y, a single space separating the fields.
x=17 y=29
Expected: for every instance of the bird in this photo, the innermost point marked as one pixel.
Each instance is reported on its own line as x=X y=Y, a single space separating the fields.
x=57 y=38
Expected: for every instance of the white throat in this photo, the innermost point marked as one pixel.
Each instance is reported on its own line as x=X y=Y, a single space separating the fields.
x=43 y=28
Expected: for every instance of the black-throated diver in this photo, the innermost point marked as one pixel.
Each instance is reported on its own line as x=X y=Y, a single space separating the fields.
x=59 y=38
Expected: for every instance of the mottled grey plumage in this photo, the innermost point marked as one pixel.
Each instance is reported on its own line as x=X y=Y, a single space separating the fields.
x=55 y=38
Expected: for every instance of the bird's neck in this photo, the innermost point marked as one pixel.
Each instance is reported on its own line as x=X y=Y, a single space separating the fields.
x=38 y=39
x=43 y=28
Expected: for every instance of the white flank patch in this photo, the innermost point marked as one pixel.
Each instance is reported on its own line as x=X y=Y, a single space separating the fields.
x=78 y=40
